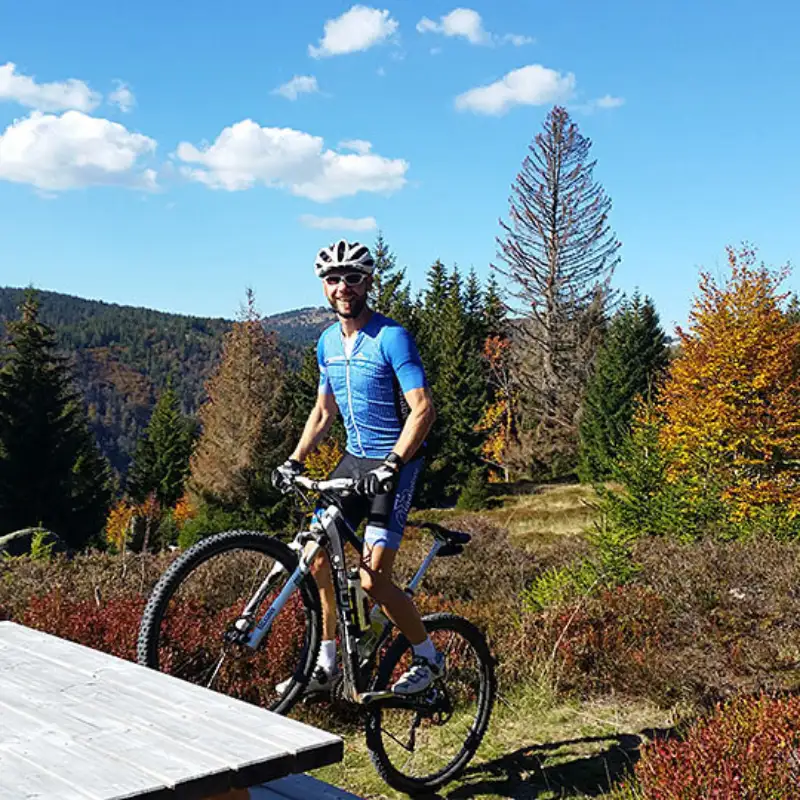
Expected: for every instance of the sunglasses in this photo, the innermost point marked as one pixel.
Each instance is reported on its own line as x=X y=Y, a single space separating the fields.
x=350 y=278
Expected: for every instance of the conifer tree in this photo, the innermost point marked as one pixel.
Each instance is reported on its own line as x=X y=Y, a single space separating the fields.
x=494 y=309
x=246 y=420
x=559 y=253
x=629 y=364
x=161 y=461
x=458 y=393
x=391 y=294
x=51 y=472
x=430 y=305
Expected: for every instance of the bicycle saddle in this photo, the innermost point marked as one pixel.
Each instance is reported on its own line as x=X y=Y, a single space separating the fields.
x=454 y=540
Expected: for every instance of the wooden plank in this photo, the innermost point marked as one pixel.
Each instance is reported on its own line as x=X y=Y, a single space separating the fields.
x=312 y=747
x=100 y=776
x=168 y=745
x=76 y=707
x=300 y=787
x=175 y=764
x=21 y=780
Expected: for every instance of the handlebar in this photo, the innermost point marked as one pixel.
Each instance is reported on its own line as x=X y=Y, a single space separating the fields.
x=338 y=485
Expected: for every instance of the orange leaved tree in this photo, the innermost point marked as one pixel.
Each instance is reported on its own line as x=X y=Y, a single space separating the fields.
x=497 y=422
x=731 y=401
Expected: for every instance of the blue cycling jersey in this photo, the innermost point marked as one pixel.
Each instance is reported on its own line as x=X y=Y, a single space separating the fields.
x=368 y=385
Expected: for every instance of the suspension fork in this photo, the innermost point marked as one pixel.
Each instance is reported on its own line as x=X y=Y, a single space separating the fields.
x=254 y=638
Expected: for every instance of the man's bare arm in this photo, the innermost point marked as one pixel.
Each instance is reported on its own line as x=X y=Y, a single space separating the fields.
x=418 y=423
x=317 y=426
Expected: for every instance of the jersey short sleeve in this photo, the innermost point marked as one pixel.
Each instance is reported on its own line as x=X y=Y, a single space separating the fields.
x=324 y=383
x=401 y=352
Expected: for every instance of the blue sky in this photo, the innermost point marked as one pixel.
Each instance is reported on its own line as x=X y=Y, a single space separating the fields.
x=149 y=156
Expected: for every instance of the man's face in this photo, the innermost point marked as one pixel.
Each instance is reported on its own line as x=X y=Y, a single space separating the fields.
x=346 y=299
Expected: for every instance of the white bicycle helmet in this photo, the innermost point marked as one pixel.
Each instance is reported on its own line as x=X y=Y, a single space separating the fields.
x=355 y=256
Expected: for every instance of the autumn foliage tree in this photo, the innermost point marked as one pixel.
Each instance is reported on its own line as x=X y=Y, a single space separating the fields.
x=731 y=402
x=246 y=421
x=497 y=422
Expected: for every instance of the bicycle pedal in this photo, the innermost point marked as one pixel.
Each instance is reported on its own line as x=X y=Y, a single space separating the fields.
x=372 y=697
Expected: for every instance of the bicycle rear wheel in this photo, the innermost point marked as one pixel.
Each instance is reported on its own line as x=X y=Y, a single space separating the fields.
x=420 y=749
x=187 y=622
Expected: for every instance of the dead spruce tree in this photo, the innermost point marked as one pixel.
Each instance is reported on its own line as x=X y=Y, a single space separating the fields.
x=559 y=253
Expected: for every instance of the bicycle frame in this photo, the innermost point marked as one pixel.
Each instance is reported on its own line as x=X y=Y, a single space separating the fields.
x=328 y=532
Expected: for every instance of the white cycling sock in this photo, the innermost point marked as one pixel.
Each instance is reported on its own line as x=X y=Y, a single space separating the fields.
x=426 y=650
x=327 y=655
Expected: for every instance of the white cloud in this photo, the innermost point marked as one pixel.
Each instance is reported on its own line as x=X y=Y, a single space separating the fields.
x=60 y=96
x=299 y=84
x=607 y=101
x=245 y=154
x=73 y=150
x=357 y=29
x=357 y=145
x=533 y=85
x=122 y=97
x=518 y=40
x=467 y=23
x=339 y=223
x=459 y=22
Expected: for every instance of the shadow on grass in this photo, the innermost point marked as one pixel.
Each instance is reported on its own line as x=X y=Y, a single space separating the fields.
x=532 y=771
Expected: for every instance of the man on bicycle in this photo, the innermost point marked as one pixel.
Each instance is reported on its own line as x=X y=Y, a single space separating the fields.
x=370 y=371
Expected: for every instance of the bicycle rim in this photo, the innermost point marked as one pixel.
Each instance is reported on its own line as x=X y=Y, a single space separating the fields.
x=197 y=601
x=416 y=751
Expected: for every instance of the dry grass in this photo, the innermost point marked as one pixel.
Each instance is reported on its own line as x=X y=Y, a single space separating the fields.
x=547 y=522
x=535 y=747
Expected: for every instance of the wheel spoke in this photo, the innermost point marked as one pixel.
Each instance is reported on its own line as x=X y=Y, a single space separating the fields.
x=441 y=740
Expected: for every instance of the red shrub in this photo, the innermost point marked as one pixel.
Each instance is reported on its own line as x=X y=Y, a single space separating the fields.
x=750 y=747
x=111 y=627
x=606 y=642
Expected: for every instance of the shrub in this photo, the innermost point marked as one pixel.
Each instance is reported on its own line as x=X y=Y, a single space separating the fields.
x=111 y=627
x=475 y=494
x=700 y=623
x=750 y=747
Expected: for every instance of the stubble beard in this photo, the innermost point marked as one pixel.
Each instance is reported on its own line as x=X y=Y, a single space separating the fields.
x=357 y=305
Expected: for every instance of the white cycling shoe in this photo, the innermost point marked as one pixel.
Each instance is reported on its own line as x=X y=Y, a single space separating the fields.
x=320 y=681
x=419 y=676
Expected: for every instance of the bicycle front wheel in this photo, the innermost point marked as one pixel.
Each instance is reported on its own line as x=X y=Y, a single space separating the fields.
x=187 y=628
x=421 y=748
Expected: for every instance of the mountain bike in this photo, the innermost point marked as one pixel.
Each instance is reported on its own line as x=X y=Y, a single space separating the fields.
x=239 y=612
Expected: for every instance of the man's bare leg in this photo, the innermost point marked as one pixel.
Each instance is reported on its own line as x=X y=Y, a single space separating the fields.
x=321 y=569
x=377 y=564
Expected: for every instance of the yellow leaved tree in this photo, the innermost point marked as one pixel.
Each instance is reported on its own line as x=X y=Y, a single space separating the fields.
x=731 y=401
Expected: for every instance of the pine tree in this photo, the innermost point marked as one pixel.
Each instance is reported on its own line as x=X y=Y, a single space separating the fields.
x=51 y=472
x=430 y=307
x=559 y=254
x=161 y=462
x=246 y=420
x=494 y=309
x=391 y=294
x=458 y=393
x=629 y=364
x=474 y=312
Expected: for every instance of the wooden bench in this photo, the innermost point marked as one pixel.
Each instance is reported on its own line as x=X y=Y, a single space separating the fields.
x=78 y=723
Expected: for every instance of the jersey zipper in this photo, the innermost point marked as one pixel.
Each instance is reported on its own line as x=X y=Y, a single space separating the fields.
x=350 y=393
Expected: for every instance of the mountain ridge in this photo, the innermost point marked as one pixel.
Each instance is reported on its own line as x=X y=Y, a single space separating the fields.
x=123 y=356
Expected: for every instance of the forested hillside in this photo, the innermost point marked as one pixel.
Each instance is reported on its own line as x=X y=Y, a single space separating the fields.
x=125 y=355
